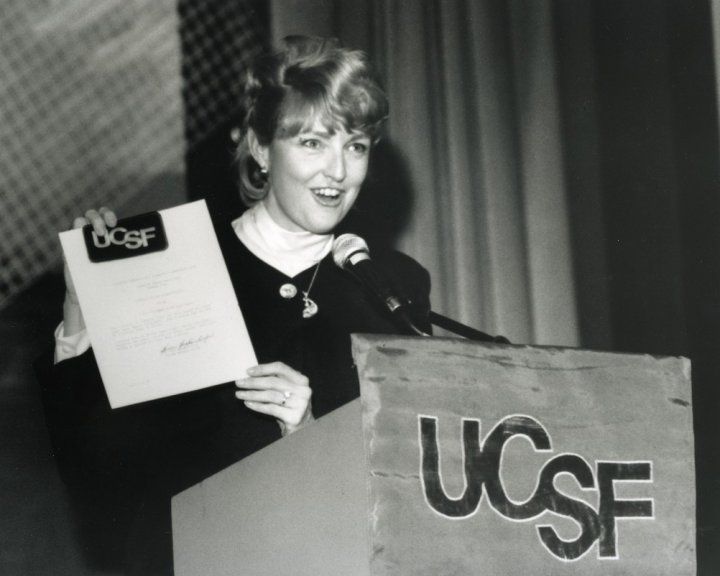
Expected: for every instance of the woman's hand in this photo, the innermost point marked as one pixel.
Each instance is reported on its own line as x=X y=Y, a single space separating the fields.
x=279 y=391
x=72 y=316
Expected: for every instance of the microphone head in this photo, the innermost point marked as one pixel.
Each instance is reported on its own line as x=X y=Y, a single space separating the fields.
x=349 y=248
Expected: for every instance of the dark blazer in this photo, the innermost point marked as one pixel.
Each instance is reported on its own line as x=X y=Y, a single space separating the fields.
x=122 y=466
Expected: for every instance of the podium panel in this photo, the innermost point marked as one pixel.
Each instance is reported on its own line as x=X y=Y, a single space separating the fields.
x=465 y=458
x=496 y=460
x=296 y=507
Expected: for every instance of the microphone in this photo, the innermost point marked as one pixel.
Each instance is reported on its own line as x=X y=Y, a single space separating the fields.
x=351 y=253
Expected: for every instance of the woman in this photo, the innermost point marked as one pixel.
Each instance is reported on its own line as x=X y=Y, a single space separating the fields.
x=313 y=113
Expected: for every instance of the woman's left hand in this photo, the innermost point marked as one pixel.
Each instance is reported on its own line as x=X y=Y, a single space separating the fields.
x=279 y=391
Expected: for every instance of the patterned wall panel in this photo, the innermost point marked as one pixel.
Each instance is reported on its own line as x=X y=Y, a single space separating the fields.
x=90 y=113
x=219 y=38
x=100 y=100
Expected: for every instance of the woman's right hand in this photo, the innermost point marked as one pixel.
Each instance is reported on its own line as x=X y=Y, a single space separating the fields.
x=100 y=220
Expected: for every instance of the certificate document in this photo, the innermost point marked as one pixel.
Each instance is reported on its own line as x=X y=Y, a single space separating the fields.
x=164 y=322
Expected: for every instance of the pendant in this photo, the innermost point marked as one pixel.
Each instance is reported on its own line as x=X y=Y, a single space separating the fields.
x=310 y=308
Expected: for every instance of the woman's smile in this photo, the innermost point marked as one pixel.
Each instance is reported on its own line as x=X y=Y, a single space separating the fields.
x=328 y=196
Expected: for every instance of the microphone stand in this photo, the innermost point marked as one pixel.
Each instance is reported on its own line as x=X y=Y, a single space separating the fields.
x=463 y=330
x=448 y=324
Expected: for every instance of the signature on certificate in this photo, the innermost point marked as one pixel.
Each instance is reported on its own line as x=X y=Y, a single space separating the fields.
x=186 y=344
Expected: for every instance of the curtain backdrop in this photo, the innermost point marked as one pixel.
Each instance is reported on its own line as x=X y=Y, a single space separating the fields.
x=474 y=132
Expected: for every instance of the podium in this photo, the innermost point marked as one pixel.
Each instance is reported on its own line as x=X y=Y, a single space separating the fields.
x=465 y=458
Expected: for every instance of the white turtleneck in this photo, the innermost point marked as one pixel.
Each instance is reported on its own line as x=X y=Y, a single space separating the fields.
x=289 y=252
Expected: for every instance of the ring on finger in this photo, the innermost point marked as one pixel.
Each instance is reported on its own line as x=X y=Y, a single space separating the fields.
x=286 y=397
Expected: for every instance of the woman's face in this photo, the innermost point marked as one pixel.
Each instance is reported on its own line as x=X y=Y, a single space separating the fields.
x=314 y=177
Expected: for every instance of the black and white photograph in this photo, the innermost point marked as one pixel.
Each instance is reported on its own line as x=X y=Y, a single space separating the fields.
x=359 y=287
